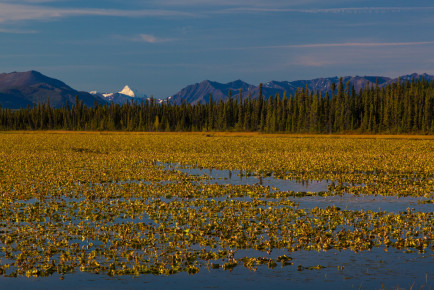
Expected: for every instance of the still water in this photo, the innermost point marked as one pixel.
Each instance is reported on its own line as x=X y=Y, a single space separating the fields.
x=345 y=269
x=345 y=202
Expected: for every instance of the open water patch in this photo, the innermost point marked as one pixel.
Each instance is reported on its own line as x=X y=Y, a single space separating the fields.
x=237 y=177
x=343 y=270
x=313 y=193
x=366 y=202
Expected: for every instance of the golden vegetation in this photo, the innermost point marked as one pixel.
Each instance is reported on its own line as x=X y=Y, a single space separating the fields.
x=104 y=203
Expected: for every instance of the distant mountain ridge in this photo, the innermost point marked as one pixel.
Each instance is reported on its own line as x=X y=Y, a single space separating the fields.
x=21 y=89
x=200 y=92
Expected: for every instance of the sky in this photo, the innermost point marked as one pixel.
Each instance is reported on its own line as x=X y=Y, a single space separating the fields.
x=160 y=46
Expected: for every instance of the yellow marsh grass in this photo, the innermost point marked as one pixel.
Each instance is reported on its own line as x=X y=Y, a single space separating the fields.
x=66 y=204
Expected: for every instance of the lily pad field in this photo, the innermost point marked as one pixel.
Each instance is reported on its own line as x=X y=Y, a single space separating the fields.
x=209 y=210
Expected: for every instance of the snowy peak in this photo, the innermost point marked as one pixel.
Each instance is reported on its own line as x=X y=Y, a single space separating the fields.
x=128 y=92
x=125 y=95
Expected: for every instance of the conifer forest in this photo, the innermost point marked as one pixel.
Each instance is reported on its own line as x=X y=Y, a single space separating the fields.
x=399 y=108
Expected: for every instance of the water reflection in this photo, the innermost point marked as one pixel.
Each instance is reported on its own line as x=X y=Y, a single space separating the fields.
x=372 y=269
x=366 y=202
x=343 y=270
x=346 y=202
x=236 y=177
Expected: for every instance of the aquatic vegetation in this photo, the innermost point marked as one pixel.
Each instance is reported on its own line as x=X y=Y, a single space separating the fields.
x=109 y=203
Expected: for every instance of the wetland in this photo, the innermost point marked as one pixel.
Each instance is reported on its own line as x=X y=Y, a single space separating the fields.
x=110 y=210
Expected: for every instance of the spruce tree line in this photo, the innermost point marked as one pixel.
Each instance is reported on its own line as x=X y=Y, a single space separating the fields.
x=402 y=107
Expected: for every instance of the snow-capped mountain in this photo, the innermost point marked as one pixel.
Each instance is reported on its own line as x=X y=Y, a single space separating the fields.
x=131 y=92
x=125 y=95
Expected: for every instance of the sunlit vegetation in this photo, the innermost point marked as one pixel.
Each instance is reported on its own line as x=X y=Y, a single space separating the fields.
x=109 y=203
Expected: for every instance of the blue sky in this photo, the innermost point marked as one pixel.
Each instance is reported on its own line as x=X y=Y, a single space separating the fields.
x=160 y=46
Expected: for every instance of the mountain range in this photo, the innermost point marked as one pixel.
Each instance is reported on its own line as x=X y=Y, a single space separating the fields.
x=21 y=89
x=200 y=92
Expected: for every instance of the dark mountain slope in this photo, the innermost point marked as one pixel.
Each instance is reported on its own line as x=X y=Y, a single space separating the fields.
x=19 y=89
x=199 y=92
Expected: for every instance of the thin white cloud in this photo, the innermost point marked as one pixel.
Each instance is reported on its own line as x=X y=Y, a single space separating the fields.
x=354 y=44
x=348 y=10
x=147 y=38
x=229 y=3
x=341 y=44
x=30 y=10
x=13 y=12
x=30 y=1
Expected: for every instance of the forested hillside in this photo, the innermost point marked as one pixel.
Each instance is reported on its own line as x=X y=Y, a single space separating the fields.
x=401 y=107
